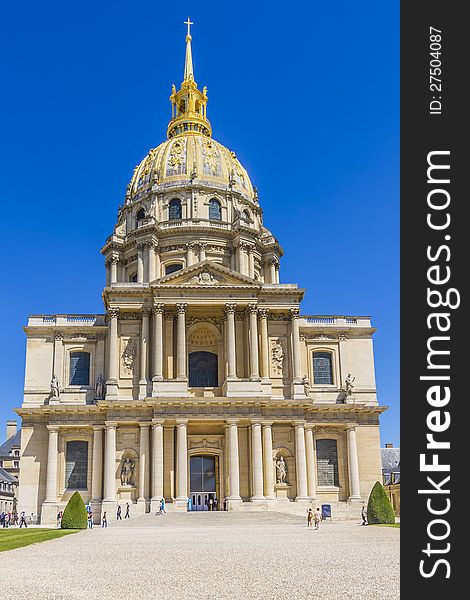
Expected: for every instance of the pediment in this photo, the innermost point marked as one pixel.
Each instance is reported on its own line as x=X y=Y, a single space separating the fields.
x=207 y=274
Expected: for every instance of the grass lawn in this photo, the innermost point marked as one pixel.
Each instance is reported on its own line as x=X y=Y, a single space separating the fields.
x=16 y=538
x=387 y=524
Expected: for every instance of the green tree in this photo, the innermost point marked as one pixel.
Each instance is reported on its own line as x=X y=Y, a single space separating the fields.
x=379 y=509
x=75 y=515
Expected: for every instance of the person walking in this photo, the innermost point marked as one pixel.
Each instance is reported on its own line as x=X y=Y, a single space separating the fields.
x=364 y=516
x=216 y=504
x=23 y=519
x=162 y=507
x=90 y=519
x=104 y=520
x=118 y=514
x=309 y=517
x=128 y=514
x=317 y=517
x=59 y=518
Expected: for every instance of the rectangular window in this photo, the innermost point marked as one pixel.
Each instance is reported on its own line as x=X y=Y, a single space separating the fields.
x=79 y=368
x=76 y=465
x=327 y=463
x=322 y=368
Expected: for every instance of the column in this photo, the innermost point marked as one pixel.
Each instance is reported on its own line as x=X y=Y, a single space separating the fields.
x=114 y=263
x=354 y=484
x=268 y=460
x=297 y=367
x=97 y=465
x=151 y=262
x=202 y=251
x=230 y=341
x=181 y=462
x=51 y=472
x=253 y=332
x=310 y=455
x=234 y=461
x=181 y=342
x=113 y=314
x=189 y=254
x=157 y=460
x=110 y=463
x=257 y=461
x=144 y=462
x=144 y=346
x=263 y=326
x=300 y=461
x=140 y=263
x=169 y=353
x=158 y=266
x=108 y=273
x=251 y=261
x=272 y=271
x=158 y=342
x=277 y=273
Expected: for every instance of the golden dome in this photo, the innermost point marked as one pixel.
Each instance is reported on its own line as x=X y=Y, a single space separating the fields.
x=189 y=154
x=191 y=157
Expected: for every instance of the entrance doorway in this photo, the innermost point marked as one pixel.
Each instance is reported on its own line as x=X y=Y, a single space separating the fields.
x=203 y=482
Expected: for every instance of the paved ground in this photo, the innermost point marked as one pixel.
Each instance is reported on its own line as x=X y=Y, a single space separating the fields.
x=209 y=556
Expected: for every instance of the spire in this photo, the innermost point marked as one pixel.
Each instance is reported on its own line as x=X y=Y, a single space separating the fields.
x=188 y=63
x=188 y=104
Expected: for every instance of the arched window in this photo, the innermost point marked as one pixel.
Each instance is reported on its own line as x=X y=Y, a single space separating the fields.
x=133 y=278
x=322 y=368
x=174 y=209
x=79 y=368
x=327 y=463
x=246 y=215
x=140 y=216
x=76 y=465
x=173 y=268
x=203 y=369
x=215 y=212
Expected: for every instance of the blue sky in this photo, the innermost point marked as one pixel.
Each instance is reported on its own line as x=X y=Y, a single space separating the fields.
x=307 y=94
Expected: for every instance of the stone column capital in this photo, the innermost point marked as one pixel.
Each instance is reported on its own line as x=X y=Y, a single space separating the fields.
x=146 y=312
x=181 y=308
x=53 y=428
x=298 y=424
x=309 y=426
x=111 y=424
x=181 y=422
x=232 y=421
x=263 y=313
x=158 y=422
x=294 y=313
x=113 y=312
x=252 y=308
x=230 y=308
x=158 y=308
x=266 y=423
x=145 y=424
x=98 y=427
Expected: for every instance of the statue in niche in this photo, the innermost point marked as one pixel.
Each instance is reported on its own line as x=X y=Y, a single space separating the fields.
x=54 y=387
x=128 y=356
x=100 y=388
x=281 y=470
x=127 y=472
x=349 y=384
x=277 y=357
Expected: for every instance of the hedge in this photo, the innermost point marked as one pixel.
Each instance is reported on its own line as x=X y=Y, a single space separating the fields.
x=379 y=509
x=75 y=515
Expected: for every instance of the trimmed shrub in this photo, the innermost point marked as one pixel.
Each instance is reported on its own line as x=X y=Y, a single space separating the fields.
x=379 y=509
x=75 y=515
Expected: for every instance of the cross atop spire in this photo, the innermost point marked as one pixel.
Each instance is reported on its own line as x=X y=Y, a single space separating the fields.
x=189 y=23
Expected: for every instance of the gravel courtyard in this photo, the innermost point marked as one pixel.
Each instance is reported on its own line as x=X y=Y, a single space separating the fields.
x=209 y=556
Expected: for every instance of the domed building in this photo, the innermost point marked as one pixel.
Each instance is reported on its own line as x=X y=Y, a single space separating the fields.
x=202 y=383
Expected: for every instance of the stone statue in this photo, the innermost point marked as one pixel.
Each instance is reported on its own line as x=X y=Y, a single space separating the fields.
x=54 y=387
x=349 y=384
x=306 y=383
x=281 y=469
x=100 y=388
x=127 y=472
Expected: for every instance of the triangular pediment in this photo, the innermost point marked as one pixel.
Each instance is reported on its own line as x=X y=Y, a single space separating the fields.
x=207 y=274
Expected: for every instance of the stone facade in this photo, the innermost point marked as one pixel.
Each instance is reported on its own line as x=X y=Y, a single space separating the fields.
x=202 y=352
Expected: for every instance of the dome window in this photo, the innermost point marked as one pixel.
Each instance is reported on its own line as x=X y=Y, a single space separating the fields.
x=174 y=210
x=215 y=211
x=140 y=216
x=173 y=268
x=247 y=216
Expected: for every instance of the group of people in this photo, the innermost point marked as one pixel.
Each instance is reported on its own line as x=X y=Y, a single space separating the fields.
x=317 y=516
x=10 y=519
x=314 y=517
x=104 y=515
